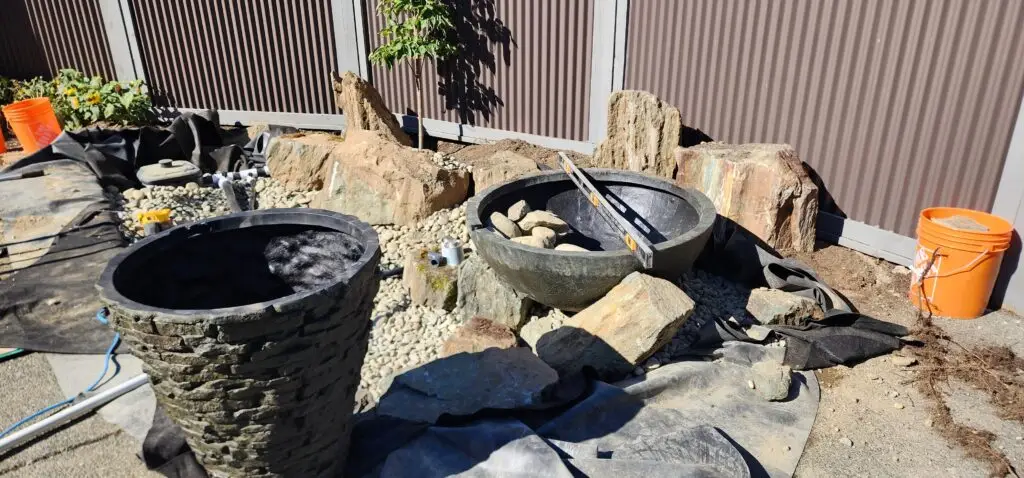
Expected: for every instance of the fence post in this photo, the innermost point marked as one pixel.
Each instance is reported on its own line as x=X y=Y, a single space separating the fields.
x=121 y=39
x=607 y=62
x=350 y=36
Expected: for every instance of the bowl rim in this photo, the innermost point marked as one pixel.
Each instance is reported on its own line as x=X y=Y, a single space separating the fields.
x=344 y=223
x=702 y=204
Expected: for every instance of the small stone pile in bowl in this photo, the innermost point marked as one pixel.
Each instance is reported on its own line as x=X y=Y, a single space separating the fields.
x=541 y=229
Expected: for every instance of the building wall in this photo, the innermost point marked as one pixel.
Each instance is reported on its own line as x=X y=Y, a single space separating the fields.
x=897 y=104
x=253 y=55
x=39 y=37
x=524 y=66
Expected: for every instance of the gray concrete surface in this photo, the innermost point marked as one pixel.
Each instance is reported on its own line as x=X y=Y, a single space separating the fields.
x=86 y=448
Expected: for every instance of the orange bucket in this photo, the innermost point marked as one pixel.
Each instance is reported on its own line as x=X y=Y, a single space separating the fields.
x=33 y=122
x=3 y=141
x=957 y=267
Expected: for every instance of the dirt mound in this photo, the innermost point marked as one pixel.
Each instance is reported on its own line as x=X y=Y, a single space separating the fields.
x=543 y=156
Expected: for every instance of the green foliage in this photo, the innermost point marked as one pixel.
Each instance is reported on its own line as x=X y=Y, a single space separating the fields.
x=414 y=30
x=79 y=100
x=7 y=87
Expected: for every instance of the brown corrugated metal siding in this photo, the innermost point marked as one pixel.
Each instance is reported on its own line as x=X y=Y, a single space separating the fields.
x=532 y=76
x=40 y=37
x=897 y=104
x=256 y=55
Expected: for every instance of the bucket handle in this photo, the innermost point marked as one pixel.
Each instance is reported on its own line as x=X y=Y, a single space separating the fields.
x=968 y=266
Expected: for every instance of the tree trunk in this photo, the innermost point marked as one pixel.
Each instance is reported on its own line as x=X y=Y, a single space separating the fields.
x=419 y=101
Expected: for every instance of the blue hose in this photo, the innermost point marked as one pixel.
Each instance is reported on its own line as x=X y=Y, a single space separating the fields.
x=101 y=316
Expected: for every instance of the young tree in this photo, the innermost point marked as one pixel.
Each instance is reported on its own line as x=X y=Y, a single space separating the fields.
x=414 y=31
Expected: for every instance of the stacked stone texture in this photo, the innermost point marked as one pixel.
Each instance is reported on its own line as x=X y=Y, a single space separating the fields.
x=268 y=393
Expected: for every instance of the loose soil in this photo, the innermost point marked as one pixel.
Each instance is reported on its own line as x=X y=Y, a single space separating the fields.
x=963 y=223
x=543 y=156
x=956 y=413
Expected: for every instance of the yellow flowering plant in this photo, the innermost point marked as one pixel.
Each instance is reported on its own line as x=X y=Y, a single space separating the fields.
x=80 y=101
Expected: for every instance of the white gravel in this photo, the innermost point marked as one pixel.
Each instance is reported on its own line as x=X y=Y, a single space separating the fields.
x=192 y=202
x=397 y=241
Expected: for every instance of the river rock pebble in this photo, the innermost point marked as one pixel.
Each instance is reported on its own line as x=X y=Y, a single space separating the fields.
x=192 y=202
x=449 y=163
x=396 y=241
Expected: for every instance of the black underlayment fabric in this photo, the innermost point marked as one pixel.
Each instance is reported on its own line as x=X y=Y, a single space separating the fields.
x=115 y=155
x=453 y=418
x=51 y=305
x=845 y=336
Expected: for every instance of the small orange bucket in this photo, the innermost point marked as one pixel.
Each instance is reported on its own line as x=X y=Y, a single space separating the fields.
x=955 y=268
x=33 y=123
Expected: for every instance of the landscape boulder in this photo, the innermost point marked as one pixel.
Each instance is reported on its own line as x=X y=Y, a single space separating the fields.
x=364 y=109
x=762 y=187
x=477 y=335
x=429 y=285
x=500 y=167
x=463 y=384
x=382 y=182
x=532 y=331
x=776 y=307
x=620 y=331
x=483 y=294
x=300 y=161
x=643 y=131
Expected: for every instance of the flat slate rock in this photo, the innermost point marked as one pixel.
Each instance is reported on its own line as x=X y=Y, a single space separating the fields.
x=466 y=383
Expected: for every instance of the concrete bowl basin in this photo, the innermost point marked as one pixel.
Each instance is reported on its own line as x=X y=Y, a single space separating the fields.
x=679 y=221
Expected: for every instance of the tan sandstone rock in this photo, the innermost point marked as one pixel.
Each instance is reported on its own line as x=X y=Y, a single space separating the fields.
x=364 y=109
x=762 y=187
x=299 y=161
x=476 y=335
x=642 y=133
x=777 y=307
x=382 y=182
x=619 y=331
x=500 y=167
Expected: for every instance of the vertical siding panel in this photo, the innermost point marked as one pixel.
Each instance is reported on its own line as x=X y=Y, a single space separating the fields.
x=540 y=95
x=898 y=105
x=263 y=55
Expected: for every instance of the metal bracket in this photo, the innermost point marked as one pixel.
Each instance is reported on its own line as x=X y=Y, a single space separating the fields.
x=612 y=211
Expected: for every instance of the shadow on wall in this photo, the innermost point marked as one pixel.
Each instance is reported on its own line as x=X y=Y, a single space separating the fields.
x=478 y=34
x=826 y=203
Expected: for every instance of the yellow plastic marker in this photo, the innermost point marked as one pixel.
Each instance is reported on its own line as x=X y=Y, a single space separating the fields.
x=154 y=221
x=161 y=216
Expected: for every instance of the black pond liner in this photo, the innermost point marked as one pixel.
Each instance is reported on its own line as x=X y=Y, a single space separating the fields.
x=253 y=328
x=679 y=222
